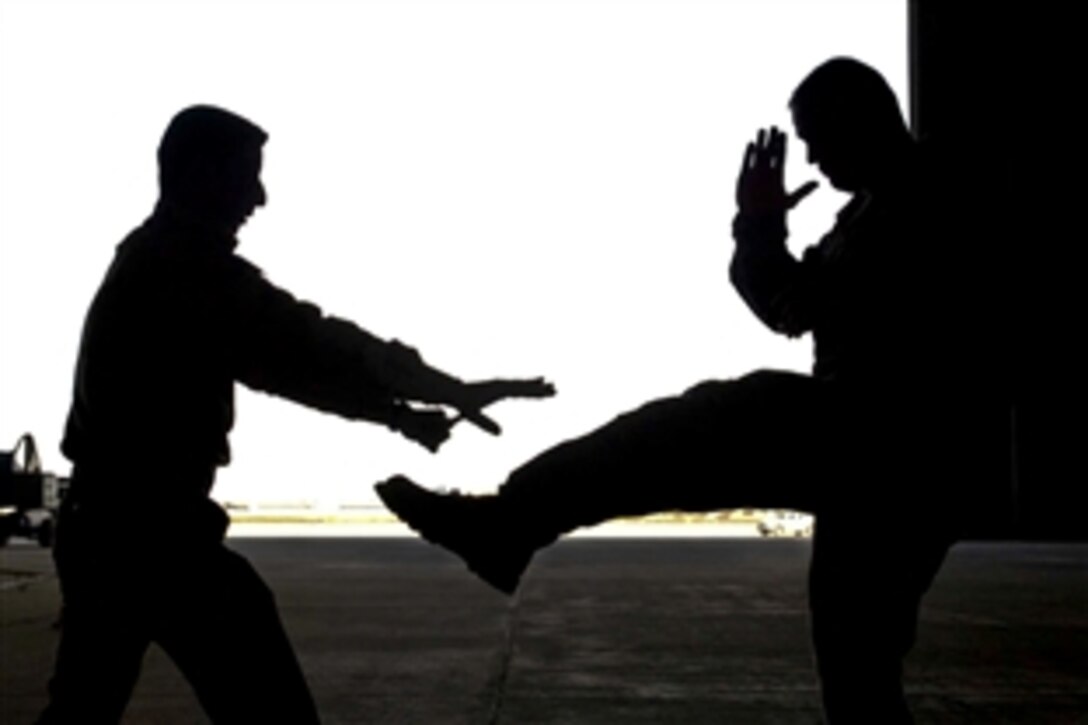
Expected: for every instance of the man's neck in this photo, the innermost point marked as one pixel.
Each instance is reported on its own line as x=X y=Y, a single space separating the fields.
x=896 y=167
x=206 y=225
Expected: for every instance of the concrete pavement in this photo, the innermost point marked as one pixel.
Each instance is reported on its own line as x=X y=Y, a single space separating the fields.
x=605 y=631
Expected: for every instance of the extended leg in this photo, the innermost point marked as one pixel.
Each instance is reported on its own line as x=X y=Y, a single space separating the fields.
x=756 y=441
x=759 y=440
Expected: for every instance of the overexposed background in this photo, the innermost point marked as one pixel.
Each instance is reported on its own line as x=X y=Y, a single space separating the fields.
x=536 y=187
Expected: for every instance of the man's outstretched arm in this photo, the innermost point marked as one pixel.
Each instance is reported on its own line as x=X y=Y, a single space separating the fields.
x=288 y=347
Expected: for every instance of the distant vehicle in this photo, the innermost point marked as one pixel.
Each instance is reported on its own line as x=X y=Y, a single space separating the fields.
x=780 y=522
x=29 y=497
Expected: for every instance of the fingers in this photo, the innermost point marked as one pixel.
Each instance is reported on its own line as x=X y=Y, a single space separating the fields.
x=487 y=392
x=481 y=421
x=767 y=151
x=798 y=195
x=749 y=159
x=764 y=139
x=491 y=391
x=747 y=164
x=776 y=149
x=760 y=187
x=535 y=388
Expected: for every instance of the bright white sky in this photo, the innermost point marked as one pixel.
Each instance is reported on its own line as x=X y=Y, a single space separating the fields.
x=517 y=189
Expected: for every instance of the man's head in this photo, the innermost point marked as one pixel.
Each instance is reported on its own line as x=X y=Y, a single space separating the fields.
x=210 y=165
x=849 y=119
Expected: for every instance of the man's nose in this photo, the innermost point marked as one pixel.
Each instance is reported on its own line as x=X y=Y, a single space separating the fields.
x=262 y=194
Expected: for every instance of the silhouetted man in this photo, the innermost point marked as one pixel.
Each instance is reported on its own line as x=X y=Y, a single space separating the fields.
x=880 y=427
x=178 y=319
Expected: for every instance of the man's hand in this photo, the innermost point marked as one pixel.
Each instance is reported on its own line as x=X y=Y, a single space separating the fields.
x=429 y=427
x=761 y=189
x=472 y=398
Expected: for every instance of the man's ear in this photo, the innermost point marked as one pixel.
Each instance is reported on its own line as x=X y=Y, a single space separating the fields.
x=195 y=180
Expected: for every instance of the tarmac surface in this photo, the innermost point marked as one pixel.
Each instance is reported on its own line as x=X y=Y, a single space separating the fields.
x=609 y=631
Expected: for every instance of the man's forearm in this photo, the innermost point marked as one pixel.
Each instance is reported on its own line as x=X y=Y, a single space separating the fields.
x=290 y=348
x=760 y=231
x=761 y=266
x=349 y=396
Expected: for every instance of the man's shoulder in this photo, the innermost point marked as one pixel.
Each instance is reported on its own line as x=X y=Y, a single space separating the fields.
x=248 y=285
x=164 y=256
x=242 y=266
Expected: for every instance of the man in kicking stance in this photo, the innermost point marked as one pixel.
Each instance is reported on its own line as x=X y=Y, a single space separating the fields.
x=880 y=422
x=179 y=318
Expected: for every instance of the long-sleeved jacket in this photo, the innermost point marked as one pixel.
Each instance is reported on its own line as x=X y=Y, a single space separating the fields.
x=904 y=298
x=177 y=320
x=891 y=294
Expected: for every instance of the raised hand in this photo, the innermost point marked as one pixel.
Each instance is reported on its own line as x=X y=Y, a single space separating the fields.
x=761 y=188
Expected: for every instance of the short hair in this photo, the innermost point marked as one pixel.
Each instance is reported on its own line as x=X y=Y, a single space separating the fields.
x=847 y=91
x=200 y=135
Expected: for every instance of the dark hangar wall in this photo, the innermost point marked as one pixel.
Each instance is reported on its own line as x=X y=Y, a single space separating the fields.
x=998 y=85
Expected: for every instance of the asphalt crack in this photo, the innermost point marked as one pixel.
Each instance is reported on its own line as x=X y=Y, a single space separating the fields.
x=497 y=683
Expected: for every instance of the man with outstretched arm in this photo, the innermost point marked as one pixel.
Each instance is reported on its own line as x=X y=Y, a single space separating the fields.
x=179 y=319
x=879 y=423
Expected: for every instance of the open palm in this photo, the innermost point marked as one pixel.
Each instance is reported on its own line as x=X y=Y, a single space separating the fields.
x=761 y=188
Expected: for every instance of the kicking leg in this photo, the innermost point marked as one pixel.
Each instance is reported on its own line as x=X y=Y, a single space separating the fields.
x=753 y=441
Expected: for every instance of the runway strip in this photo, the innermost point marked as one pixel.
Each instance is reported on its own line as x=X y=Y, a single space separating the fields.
x=618 y=530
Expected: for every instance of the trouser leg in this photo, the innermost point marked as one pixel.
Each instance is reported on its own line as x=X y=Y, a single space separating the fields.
x=756 y=441
x=204 y=604
x=865 y=592
x=98 y=663
x=223 y=631
x=104 y=632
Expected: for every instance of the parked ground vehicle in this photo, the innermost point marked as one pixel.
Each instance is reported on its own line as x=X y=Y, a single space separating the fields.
x=29 y=497
x=781 y=522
